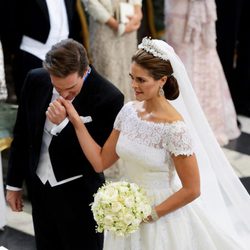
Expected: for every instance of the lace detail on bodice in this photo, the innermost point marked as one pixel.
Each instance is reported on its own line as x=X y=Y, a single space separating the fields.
x=173 y=137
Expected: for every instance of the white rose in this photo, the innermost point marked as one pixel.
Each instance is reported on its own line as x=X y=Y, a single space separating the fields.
x=116 y=206
x=108 y=220
x=129 y=201
x=112 y=192
x=136 y=222
x=128 y=218
x=134 y=187
x=123 y=189
x=109 y=195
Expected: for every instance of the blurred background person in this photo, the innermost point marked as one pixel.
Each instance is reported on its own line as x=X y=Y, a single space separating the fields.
x=3 y=96
x=32 y=27
x=3 y=89
x=152 y=24
x=233 y=45
x=112 y=43
x=190 y=30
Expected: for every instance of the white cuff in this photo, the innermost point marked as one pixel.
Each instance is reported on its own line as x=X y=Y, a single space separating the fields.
x=58 y=128
x=13 y=188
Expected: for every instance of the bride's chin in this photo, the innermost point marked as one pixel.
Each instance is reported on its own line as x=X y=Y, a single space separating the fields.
x=139 y=97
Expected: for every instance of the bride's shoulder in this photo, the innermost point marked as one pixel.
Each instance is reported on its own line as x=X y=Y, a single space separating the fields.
x=127 y=106
x=172 y=116
x=131 y=105
x=126 y=110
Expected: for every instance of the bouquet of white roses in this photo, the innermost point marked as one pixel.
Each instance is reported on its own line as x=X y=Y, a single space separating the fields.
x=120 y=207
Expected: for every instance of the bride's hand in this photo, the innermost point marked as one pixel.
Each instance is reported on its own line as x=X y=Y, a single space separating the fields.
x=71 y=111
x=148 y=219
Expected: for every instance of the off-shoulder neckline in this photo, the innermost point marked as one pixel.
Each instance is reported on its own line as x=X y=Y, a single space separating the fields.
x=132 y=105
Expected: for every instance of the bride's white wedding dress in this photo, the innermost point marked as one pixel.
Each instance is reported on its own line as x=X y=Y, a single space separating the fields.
x=147 y=149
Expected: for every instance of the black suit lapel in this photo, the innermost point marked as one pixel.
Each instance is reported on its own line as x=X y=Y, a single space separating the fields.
x=44 y=101
x=69 y=10
x=44 y=8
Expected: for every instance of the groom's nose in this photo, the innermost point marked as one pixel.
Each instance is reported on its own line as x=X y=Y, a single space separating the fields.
x=65 y=94
x=68 y=96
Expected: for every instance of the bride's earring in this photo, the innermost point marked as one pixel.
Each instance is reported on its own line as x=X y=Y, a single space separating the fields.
x=161 y=91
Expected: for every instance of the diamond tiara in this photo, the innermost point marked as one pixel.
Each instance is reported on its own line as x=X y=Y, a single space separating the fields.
x=154 y=47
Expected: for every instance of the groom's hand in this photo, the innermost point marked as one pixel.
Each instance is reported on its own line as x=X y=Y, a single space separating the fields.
x=56 y=112
x=15 y=201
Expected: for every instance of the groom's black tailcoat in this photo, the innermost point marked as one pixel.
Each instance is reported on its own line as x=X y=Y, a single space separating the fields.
x=98 y=99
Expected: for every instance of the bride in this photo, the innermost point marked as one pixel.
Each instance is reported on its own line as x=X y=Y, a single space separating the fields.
x=198 y=202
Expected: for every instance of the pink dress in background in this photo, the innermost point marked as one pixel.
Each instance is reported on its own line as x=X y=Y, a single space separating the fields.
x=190 y=30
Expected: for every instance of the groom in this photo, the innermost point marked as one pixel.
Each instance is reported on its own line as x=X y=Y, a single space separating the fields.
x=60 y=180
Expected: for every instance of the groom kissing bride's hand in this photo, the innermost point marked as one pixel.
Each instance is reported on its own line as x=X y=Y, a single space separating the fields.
x=46 y=154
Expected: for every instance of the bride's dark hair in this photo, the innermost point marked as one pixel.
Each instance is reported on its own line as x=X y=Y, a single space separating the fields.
x=158 y=68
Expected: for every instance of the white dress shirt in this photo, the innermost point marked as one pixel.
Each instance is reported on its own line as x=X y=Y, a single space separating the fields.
x=44 y=170
x=59 y=30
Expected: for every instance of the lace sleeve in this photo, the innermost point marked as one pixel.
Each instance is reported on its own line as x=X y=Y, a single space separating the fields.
x=118 y=121
x=178 y=140
x=120 y=118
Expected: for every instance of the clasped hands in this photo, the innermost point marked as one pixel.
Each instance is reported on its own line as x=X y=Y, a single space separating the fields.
x=59 y=109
